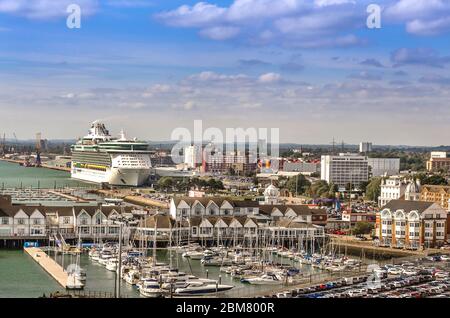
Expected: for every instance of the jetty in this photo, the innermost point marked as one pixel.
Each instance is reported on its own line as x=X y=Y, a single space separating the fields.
x=48 y=264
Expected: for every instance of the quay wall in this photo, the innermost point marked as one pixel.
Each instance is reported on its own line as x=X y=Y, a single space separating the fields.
x=42 y=165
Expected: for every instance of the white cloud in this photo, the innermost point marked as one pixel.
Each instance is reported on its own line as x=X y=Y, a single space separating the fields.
x=269 y=78
x=281 y=21
x=200 y=14
x=422 y=17
x=45 y=9
x=220 y=32
x=212 y=76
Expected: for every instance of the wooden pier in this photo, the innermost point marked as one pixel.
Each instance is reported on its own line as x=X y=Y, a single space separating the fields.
x=48 y=264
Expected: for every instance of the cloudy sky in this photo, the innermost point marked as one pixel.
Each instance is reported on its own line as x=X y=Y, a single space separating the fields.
x=309 y=67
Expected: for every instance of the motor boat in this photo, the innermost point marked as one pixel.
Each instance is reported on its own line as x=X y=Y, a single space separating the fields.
x=112 y=264
x=150 y=288
x=132 y=277
x=195 y=255
x=194 y=288
x=266 y=279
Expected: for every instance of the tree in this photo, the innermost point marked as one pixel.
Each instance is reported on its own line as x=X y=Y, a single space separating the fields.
x=373 y=189
x=433 y=180
x=165 y=183
x=362 y=228
x=319 y=189
x=297 y=184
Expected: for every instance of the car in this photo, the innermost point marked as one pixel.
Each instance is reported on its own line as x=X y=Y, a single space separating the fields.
x=445 y=258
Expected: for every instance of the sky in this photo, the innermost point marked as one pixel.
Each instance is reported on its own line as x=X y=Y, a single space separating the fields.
x=311 y=68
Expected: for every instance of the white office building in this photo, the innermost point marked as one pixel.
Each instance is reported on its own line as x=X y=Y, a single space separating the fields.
x=365 y=147
x=344 y=169
x=193 y=156
x=384 y=166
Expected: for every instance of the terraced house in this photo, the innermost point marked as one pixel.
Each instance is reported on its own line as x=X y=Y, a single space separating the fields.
x=41 y=221
x=412 y=224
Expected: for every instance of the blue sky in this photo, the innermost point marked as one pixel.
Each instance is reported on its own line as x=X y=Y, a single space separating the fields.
x=309 y=67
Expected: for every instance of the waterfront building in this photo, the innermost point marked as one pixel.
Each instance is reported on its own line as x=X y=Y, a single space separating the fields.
x=412 y=224
x=439 y=194
x=268 y=210
x=439 y=160
x=345 y=169
x=392 y=188
x=384 y=166
x=224 y=228
x=68 y=221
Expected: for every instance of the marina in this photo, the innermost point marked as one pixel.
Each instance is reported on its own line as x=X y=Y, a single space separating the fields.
x=48 y=264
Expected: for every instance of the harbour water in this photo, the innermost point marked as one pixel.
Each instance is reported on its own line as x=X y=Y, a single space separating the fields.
x=12 y=175
x=21 y=277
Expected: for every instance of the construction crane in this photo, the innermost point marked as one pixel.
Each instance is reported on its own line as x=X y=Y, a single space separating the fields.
x=38 y=150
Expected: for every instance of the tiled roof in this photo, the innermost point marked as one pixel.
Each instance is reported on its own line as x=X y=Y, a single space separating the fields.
x=407 y=205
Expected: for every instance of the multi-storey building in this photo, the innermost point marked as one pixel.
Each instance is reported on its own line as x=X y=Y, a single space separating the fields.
x=438 y=161
x=235 y=162
x=392 y=188
x=436 y=193
x=384 y=166
x=345 y=169
x=365 y=147
x=193 y=156
x=412 y=224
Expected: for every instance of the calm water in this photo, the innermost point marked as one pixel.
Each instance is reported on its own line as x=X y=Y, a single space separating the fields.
x=12 y=175
x=20 y=276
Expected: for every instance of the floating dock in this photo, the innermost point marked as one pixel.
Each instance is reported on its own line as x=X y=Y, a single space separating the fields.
x=48 y=264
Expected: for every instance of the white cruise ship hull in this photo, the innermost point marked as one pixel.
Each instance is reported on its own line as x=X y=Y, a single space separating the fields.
x=113 y=176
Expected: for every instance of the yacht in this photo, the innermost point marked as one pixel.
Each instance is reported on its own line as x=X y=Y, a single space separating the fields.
x=266 y=279
x=112 y=264
x=199 y=288
x=149 y=288
x=132 y=277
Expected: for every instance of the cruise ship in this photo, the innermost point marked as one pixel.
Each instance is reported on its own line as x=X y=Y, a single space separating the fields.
x=100 y=158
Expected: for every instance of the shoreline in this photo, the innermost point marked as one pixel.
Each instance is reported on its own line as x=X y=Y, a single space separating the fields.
x=42 y=165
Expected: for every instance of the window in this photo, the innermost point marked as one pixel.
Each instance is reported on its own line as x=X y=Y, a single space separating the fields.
x=21 y=221
x=66 y=220
x=5 y=221
x=36 y=221
x=84 y=220
x=194 y=231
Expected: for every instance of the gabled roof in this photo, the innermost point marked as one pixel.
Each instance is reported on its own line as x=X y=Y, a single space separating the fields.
x=407 y=205
x=89 y=210
x=162 y=222
x=3 y=213
x=217 y=200
x=288 y=223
